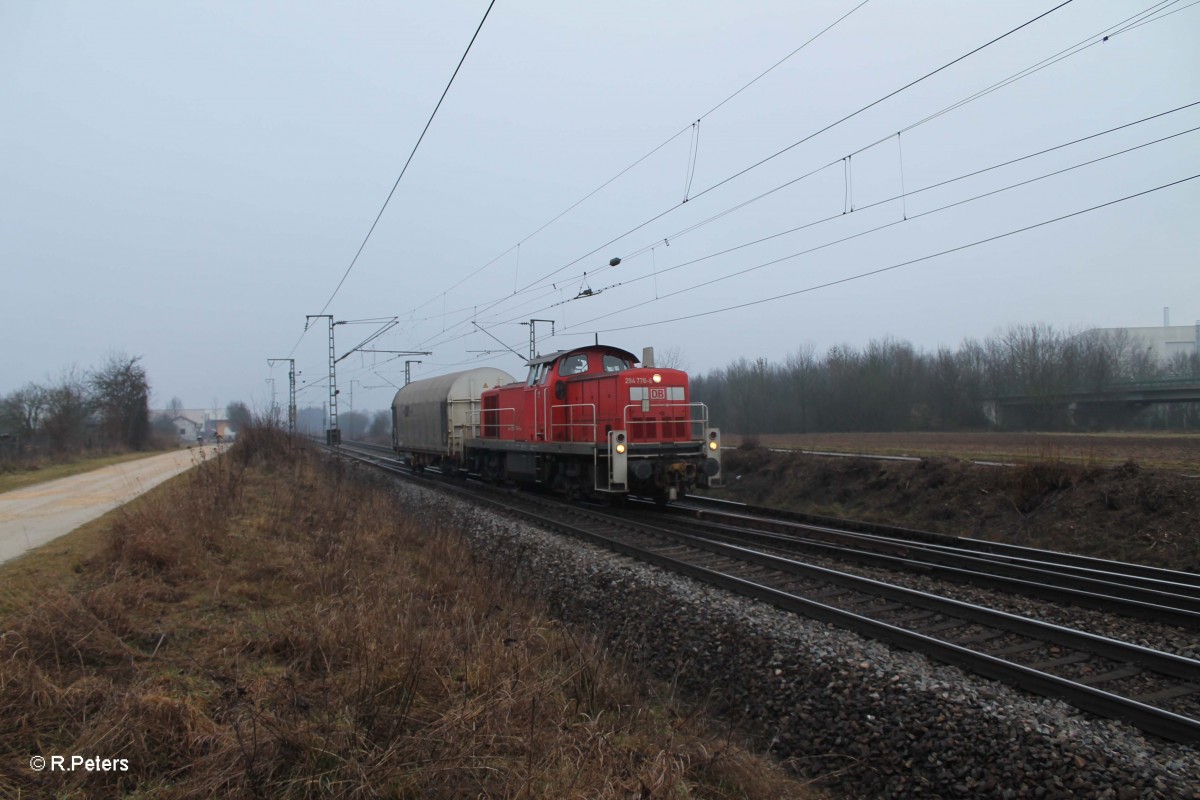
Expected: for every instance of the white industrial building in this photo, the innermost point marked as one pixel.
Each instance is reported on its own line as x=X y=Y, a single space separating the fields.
x=1164 y=342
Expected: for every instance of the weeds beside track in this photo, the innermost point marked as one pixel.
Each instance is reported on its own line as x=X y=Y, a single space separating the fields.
x=270 y=626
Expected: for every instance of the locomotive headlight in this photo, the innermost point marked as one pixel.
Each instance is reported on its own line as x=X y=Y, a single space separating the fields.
x=656 y=378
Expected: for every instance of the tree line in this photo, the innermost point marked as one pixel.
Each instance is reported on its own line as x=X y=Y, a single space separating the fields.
x=98 y=409
x=889 y=385
x=375 y=426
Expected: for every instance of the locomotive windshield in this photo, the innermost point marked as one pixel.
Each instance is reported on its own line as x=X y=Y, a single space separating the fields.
x=537 y=373
x=616 y=363
x=574 y=365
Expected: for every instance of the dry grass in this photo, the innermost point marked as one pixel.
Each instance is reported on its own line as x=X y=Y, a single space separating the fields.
x=1126 y=512
x=269 y=626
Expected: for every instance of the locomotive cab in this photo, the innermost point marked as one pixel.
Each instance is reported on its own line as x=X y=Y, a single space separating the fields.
x=591 y=420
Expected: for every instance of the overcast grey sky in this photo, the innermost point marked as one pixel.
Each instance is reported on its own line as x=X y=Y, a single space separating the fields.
x=186 y=181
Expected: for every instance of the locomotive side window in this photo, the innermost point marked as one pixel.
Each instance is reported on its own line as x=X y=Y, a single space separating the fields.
x=573 y=365
x=533 y=375
x=616 y=363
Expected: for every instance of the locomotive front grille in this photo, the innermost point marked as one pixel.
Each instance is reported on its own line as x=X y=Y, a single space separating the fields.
x=675 y=422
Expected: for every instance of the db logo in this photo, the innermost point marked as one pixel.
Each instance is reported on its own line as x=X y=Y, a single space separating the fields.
x=658 y=393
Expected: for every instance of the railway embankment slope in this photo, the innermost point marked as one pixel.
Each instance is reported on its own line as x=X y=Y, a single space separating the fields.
x=1131 y=511
x=857 y=716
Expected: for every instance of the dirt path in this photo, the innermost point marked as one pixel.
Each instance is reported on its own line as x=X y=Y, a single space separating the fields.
x=37 y=514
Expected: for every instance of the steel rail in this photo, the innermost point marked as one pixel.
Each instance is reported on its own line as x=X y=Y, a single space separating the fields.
x=1104 y=595
x=995 y=549
x=1121 y=577
x=1152 y=719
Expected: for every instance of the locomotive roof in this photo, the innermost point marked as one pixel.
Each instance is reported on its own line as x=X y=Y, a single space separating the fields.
x=607 y=348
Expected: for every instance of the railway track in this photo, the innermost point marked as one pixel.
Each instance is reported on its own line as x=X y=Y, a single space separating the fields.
x=1158 y=692
x=1163 y=596
x=994 y=550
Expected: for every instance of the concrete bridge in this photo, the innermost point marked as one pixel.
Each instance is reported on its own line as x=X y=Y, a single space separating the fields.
x=1114 y=403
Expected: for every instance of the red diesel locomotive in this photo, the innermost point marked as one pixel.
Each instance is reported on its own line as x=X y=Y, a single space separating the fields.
x=585 y=421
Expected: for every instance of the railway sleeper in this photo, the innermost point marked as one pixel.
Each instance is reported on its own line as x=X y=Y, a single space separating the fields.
x=1061 y=661
x=1120 y=673
x=938 y=627
x=979 y=638
x=1013 y=649
x=1168 y=694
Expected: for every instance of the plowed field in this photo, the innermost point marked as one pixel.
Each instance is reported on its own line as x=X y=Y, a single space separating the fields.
x=1167 y=449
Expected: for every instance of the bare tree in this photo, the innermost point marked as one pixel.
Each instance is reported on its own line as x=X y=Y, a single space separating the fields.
x=67 y=409
x=22 y=411
x=803 y=370
x=1183 y=365
x=671 y=358
x=121 y=394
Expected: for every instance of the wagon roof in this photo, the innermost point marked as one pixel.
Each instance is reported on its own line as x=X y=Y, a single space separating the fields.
x=466 y=384
x=607 y=348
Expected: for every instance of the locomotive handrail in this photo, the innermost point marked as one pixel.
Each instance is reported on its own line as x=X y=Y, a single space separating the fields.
x=570 y=423
x=498 y=424
x=691 y=421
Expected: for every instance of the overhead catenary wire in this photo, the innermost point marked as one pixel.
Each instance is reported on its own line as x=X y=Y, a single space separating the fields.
x=1140 y=20
x=408 y=161
x=1084 y=44
x=651 y=152
x=867 y=232
x=905 y=194
x=864 y=232
x=902 y=264
x=1156 y=19
x=808 y=137
x=693 y=153
x=881 y=270
x=1109 y=31
x=696 y=226
x=404 y=169
x=531 y=286
x=771 y=68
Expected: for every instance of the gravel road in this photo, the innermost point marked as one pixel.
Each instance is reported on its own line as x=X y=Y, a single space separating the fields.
x=35 y=515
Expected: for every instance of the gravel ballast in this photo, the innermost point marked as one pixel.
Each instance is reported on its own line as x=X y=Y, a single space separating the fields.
x=865 y=719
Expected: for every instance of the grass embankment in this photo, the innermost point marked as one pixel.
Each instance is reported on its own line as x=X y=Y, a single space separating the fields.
x=1126 y=512
x=17 y=475
x=269 y=626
